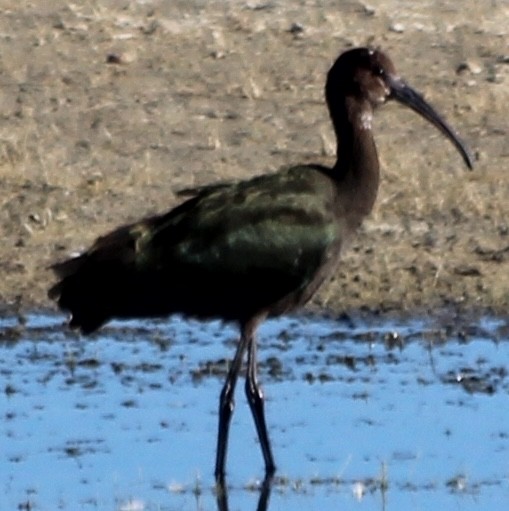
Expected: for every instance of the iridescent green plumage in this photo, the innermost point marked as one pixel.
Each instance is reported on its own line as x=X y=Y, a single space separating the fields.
x=231 y=251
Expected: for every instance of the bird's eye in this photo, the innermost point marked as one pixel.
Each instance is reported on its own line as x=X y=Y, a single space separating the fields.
x=379 y=71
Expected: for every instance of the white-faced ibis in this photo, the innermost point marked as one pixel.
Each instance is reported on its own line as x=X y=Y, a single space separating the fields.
x=251 y=249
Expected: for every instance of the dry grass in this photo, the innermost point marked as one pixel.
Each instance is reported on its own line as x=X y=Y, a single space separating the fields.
x=224 y=90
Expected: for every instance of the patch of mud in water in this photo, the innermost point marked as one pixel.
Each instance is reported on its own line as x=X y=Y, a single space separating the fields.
x=407 y=414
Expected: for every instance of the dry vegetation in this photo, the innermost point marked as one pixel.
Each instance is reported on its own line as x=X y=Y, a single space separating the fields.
x=107 y=108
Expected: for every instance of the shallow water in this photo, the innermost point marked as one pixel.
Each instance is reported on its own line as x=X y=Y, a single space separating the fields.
x=379 y=414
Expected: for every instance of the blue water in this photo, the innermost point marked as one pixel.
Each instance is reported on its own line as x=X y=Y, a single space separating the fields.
x=378 y=414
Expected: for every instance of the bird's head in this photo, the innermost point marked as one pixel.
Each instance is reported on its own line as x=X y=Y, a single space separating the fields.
x=368 y=76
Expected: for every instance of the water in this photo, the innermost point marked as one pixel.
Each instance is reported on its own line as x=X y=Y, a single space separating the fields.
x=378 y=414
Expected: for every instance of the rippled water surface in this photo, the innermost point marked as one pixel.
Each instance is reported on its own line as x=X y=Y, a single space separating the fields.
x=378 y=414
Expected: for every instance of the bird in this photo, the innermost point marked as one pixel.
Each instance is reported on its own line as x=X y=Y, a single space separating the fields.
x=248 y=250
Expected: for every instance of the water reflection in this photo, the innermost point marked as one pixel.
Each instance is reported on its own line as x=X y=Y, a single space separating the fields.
x=263 y=500
x=130 y=415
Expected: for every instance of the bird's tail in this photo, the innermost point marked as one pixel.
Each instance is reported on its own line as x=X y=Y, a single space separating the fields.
x=103 y=282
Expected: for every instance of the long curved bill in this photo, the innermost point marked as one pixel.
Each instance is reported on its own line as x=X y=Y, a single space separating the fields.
x=402 y=92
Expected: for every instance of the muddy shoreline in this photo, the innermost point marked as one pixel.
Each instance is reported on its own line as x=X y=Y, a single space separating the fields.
x=108 y=111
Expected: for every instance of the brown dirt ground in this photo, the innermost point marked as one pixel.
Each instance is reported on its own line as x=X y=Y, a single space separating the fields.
x=206 y=91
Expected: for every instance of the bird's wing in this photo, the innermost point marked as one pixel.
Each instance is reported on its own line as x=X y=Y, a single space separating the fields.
x=201 y=190
x=280 y=223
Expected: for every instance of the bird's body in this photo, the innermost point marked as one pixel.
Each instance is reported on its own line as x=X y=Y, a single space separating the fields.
x=257 y=247
x=251 y=249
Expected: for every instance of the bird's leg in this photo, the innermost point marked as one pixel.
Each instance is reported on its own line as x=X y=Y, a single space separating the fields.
x=226 y=406
x=221 y=495
x=263 y=502
x=255 y=399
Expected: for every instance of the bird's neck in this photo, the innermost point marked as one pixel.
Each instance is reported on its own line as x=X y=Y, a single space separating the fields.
x=357 y=169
